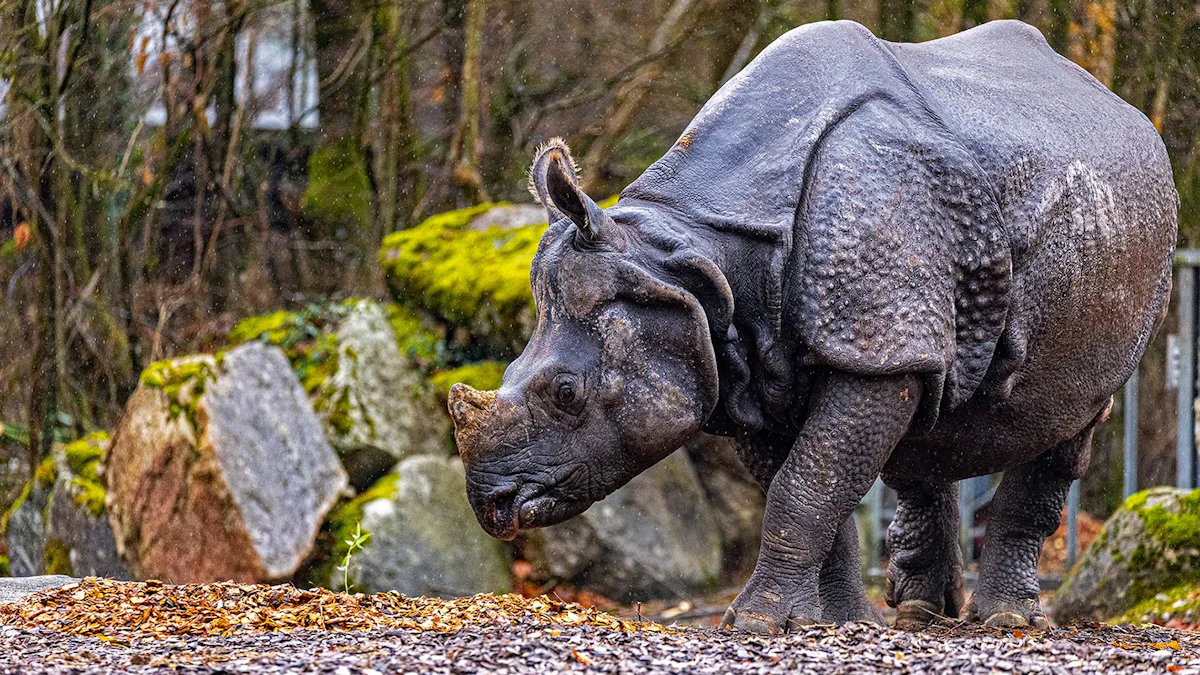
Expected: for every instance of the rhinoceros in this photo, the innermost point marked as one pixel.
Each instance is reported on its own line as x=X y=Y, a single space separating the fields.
x=924 y=262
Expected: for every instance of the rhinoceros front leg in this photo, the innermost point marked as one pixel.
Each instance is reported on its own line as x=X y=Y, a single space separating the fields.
x=1026 y=509
x=853 y=425
x=924 y=578
x=841 y=586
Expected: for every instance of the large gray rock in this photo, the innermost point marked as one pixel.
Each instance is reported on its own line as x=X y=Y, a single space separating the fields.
x=424 y=539
x=509 y=216
x=377 y=407
x=83 y=538
x=60 y=527
x=1150 y=546
x=736 y=499
x=26 y=533
x=656 y=537
x=220 y=470
x=13 y=589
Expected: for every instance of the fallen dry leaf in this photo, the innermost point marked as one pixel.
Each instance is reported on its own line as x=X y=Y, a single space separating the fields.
x=115 y=609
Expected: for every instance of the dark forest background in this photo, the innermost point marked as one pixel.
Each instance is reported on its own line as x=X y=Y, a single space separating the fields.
x=170 y=166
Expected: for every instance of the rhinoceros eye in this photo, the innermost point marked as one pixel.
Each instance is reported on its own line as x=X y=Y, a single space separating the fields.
x=566 y=392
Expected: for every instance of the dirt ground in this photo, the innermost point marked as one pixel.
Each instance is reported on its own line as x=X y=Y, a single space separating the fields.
x=96 y=626
x=522 y=648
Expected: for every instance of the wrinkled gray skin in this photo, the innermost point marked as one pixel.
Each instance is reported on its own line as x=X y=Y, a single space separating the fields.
x=926 y=262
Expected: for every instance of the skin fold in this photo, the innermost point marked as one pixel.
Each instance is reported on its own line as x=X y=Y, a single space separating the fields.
x=861 y=259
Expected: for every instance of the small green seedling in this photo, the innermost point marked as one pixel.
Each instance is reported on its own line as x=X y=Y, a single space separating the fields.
x=354 y=545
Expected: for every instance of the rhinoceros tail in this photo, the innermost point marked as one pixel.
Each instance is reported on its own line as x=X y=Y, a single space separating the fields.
x=555 y=148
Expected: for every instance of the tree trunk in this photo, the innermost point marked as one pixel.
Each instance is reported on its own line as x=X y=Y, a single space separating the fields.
x=396 y=153
x=466 y=146
x=974 y=13
x=339 y=200
x=898 y=20
x=679 y=20
x=32 y=113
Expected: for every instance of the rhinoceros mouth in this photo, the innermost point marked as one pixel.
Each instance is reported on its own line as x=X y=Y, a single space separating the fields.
x=501 y=518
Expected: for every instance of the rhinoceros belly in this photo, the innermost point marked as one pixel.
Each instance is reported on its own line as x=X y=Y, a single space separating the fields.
x=1087 y=292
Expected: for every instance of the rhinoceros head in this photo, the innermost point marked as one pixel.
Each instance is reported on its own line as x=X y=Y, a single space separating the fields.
x=618 y=373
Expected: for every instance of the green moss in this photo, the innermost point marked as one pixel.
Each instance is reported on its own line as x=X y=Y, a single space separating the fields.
x=1168 y=555
x=4 y=566
x=415 y=338
x=274 y=328
x=485 y=376
x=465 y=277
x=477 y=280
x=12 y=508
x=308 y=338
x=1177 y=601
x=460 y=218
x=338 y=196
x=84 y=457
x=1179 y=530
x=316 y=362
x=56 y=557
x=45 y=473
x=1136 y=501
x=183 y=380
x=345 y=520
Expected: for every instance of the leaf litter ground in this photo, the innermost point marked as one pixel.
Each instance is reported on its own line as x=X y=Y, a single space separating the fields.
x=101 y=626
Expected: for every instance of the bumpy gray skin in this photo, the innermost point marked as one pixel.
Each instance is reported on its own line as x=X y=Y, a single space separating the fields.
x=926 y=262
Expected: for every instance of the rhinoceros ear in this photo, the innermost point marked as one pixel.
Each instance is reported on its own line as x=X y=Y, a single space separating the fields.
x=553 y=180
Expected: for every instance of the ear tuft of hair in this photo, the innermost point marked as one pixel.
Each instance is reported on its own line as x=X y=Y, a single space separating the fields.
x=555 y=148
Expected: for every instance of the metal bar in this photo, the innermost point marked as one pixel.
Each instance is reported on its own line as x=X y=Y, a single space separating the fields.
x=1131 y=434
x=1185 y=435
x=1073 y=524
x=966 y=520
x=1185 y=257
x=875 y=536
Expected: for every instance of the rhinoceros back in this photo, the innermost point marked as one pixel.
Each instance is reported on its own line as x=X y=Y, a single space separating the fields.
x=1085 y=190
x=999 y=140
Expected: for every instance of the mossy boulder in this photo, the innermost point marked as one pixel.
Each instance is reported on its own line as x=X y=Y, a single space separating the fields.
x=219 y=469
x=656 y=537
x=363 y=367
x=24 y=523
x=423 y=538
x=60 y=526
x=474 y=280
x=483 y=375
x=1150 y=546
x=469 y=268
x=737 y=501
x=1178 y=607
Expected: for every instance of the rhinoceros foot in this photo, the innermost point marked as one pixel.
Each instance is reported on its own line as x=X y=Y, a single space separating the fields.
x=764 y=608
x=998 y=613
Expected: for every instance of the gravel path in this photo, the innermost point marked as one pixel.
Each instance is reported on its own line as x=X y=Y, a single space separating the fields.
x=528 y=648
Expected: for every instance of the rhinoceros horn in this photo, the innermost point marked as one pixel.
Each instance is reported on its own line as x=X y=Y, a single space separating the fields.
x=553 y=180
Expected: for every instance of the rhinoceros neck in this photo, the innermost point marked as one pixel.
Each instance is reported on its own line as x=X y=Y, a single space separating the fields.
x=755 y=355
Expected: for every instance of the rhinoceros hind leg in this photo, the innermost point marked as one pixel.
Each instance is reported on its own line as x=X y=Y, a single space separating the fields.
x=842 y=596
x=924 y=578
x=1027 y=509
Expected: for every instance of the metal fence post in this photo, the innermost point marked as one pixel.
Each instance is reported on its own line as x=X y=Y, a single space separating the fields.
x=875 y=536
x=1185 y=437
x=1072 y=524
x=1131 y=435
x=966 y=520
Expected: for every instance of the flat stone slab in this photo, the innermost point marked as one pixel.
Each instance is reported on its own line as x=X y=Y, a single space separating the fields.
x=15 y=588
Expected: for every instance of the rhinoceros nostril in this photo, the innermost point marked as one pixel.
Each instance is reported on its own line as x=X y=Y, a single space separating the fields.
x=504 y=510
